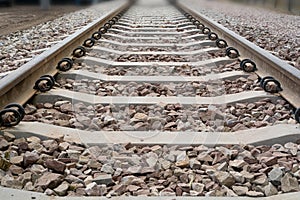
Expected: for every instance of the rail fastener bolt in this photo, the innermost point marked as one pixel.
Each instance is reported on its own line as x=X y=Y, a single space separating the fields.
x=65 y=64
x=96 y=35
x=221 y=43
x=232 y=53
x=44 y=83
x=79 y=52
x=213 y=36
x=248 y=65
x=89 y=42
x=11 y=115
x=270 y=84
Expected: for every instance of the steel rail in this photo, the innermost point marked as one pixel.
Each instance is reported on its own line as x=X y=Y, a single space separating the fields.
x=267 y=64
x=18 y=86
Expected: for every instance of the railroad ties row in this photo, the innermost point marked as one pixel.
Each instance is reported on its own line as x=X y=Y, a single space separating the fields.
x=130 y=110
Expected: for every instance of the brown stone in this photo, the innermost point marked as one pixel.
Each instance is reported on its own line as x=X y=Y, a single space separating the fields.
x=225 y=178
x=9 y=137
x=16 y=160
x=16 y=170
x=30 y=158
x=55 y=165
x=269 y=161
x=3 y=144
x=49 y=180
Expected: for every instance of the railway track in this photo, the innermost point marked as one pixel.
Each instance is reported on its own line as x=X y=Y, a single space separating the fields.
x=152 y=99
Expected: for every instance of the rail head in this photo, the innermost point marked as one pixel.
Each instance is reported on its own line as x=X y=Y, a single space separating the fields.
x=18 y=86
x=268 y=64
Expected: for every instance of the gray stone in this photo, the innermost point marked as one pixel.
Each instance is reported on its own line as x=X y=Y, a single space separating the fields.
x=240 y=190
x=289 y=183
x=225 y=178
x=63 y=146
x=102 y=189
x=107 y=168
x=238 y=177
x=134 y=169
x=66 y=108
x=26 y=177
x=275 y=176
x=9 y=181
x=229 y=192
x=151 y=159
x=49 y=192
x=237 y=163
x=248 y=176
x=198 y=187
x=255 y=194
x=140 y=117
x=103 y=179
x=94 y=164
x=118 y=172
x=73 y=179
x=195 y=164
x=270 y=190
x=293 y=148
x=119 y=189
x=127 y=180
x=205 y=157
x=92 y=189
x=30 y=109
x=108 y=120
x=165 y=164
x=86 y=121
x=59 y=103
x=132 y=188
x=261 y=180
x=29 y=186
x=167 y=192
x=33 y=139
x=62 y=189
x=37 y=169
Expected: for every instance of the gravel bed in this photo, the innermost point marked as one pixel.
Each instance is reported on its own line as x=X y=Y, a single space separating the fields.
x=20 y=47
x=61 y=168
x=133 y=34
x=158 y=57
x=162 y=117
x=184 y=70
x=170 y=58
x=167 y=29
x=275 y=32
x=134 y=48
x=161 y=40
x=196 y=88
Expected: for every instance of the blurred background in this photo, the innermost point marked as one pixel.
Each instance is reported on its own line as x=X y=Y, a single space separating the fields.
x=283 y=5
x=55 y=2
